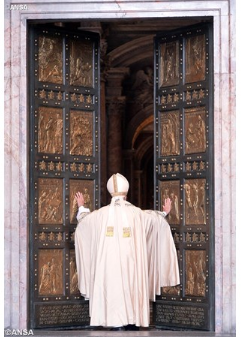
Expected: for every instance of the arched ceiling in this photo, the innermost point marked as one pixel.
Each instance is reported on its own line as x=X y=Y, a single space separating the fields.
x=138 y=50
x=118 y=32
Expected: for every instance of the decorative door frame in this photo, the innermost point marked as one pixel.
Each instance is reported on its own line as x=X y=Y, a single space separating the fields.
x=16 y=137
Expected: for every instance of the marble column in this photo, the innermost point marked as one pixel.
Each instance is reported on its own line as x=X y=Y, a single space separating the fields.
x=128 y=169
x=137 y=189
x=115 y=109
x=115 y=104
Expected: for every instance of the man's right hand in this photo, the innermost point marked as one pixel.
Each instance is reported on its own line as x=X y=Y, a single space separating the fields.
x=79 y=198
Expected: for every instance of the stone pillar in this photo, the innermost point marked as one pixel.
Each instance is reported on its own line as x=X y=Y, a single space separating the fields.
x=115 y=77
x=137 y=188
x=115 y=109
x=128 y=169
x=115 y=104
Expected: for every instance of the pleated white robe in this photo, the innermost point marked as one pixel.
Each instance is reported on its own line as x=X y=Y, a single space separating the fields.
x=122 y=267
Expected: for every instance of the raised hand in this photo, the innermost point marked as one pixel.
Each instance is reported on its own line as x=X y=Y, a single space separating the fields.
x=167 y=206
x=79 y=198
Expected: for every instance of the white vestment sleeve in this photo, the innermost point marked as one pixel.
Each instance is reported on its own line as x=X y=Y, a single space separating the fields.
x=162 y=256
x=84 y=250
x=81 y=210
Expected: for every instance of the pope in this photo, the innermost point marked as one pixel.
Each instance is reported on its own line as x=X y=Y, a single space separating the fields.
x=124 y=255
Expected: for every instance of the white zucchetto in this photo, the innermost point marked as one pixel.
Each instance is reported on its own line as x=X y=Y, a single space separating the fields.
x=117 y=185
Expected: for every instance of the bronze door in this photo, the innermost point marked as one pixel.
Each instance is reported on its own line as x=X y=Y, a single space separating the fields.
x=64 y=158
x=184 y=171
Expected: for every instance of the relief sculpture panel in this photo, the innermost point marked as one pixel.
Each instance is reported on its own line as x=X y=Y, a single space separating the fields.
x=169 y=64
x=195 y=130
x=195 y=59
x=50 y=59
x=195 y=201
x=175 y=290
x=81 y=63
x=50 y=201
x=195 y=273
x=170 y=129
x=171 y=189
x=73 y=274
x=50 y=130
x=50 y=271
x=81 y=133
x=87 y=188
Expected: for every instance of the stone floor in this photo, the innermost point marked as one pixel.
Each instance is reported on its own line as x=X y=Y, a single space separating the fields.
x=141 y=333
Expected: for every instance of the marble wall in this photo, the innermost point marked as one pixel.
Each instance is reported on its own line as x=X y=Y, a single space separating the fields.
x=16 y=136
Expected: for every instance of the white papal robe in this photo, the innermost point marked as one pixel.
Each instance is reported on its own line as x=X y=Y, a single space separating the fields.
x=124 y=256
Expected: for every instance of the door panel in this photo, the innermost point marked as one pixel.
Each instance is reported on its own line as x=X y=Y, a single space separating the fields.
x=64 y=158
x=184 y=171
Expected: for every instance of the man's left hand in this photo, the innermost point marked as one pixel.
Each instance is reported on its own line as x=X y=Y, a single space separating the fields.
x=167 y=206
x=79 y=198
